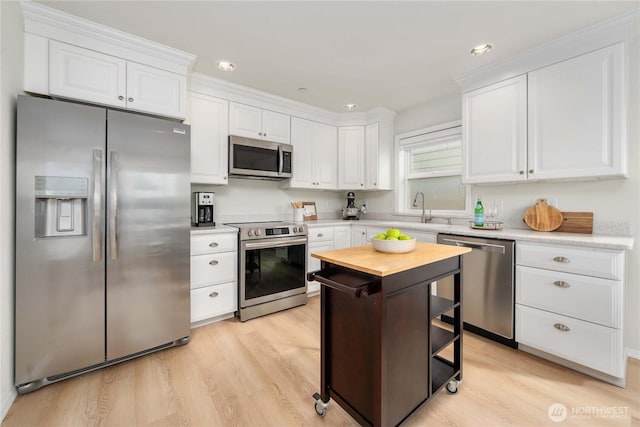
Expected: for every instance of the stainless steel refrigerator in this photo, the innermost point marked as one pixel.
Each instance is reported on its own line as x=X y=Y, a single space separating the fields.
x=102 y=238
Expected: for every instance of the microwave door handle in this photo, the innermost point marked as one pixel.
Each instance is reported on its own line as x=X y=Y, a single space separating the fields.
x=280 y=159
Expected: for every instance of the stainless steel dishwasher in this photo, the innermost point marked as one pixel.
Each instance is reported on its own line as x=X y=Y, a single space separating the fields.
x=488 y=287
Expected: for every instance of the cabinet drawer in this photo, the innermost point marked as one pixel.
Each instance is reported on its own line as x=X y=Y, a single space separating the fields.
x=585 y=343
x=213 y=301
x=320 y=234
x=213 y=268
x=214 y=242
x=588 y=298
x=608 y=264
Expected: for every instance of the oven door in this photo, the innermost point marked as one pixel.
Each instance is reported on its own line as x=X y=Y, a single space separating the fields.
x=271 y=269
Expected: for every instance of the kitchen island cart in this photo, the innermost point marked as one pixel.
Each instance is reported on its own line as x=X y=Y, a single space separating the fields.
x=380 y=348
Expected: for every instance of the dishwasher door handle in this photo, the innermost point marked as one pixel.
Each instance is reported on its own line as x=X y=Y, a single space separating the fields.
x=489 y=247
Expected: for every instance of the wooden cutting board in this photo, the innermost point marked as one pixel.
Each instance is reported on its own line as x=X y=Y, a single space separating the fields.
x=577 y=222
x=542 y=217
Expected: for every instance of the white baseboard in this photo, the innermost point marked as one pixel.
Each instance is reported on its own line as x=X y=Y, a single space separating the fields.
x=7 y=401
x=634 y=354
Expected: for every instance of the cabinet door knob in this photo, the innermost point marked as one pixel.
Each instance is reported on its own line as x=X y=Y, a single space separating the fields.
x=320 y=234
x=530 y=170
x=130 y=99
x=264 y=134
x=521 y=172
x=225 y=178
x=213 y=294
x=260 y=133
x=121 y=97
x=561 y=259
x=561 y=284
x=213 y=262
x=213 y=244
x=561 y=327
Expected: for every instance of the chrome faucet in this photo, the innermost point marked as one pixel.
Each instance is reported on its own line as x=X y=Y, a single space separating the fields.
x=423 y=218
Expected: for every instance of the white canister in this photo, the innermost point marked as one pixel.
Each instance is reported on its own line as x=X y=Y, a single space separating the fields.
x=298 y=215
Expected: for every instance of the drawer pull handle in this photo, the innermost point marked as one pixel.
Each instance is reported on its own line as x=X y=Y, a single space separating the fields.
x=561 y=284
x=213 y=294
x=561 y=259
x=561 y=327
x=214 y=262
x=213 y=245
x=320 y=234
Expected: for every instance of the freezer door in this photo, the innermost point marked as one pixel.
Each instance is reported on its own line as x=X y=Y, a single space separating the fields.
x=59 y=295
x=148 y=233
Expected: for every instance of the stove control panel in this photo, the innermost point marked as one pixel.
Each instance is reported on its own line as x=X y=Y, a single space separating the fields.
x=274 y=232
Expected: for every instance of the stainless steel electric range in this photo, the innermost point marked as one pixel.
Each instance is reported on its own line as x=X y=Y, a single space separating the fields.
x=272 y=262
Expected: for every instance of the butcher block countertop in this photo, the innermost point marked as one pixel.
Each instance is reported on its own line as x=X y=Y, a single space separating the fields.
x=368 y=260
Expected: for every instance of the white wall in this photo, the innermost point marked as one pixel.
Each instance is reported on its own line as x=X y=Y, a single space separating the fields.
x=255 y=200
x=11 y=83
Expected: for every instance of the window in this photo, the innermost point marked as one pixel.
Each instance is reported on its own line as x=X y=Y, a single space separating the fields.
x=430 y=161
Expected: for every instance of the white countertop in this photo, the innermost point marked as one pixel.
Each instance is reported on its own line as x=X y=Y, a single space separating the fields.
x=221 y=228
x=523 y=235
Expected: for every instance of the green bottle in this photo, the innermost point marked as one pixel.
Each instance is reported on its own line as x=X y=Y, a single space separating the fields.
x=478 y=214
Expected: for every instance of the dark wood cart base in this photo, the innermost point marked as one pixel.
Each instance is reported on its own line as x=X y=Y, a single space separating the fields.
x=380 y=350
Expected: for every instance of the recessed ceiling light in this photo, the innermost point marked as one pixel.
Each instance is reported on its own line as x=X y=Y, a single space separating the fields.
x=350 y=106
x=225 y=66
x=480 y=49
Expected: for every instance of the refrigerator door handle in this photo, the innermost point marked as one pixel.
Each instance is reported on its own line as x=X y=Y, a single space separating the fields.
x=97 y=205
x=113 y=206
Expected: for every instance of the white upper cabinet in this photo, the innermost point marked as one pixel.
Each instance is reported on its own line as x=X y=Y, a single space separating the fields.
x=325 y=157
x=86 y=75
x=563 y=121
x=351 y=161
x=254 y=122
x=208 y=117
x=576 y=117
x=69 y=57
x=315 y=155
x=83 y=74
x=494 y=132
x=152 y=90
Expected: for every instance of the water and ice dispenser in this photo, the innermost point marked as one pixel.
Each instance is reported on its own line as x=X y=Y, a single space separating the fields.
x=61 y=206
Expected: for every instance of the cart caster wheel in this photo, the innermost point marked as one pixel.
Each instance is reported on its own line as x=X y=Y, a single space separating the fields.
x=321 y=409
x=452 y=386
x=320 y=406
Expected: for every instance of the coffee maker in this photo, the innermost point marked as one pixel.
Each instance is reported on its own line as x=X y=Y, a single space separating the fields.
x=202 y=209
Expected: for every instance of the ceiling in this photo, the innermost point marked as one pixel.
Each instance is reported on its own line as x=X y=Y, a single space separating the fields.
x=393 y=54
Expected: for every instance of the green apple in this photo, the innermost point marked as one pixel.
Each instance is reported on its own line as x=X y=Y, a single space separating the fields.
x=404 y=237
x=380 y=236
x=393 y=232
x=391 y=238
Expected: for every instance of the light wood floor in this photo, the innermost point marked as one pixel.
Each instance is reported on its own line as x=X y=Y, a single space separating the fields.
x=263 y=373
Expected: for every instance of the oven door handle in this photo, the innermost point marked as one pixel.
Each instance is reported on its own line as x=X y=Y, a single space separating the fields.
x=274 y=243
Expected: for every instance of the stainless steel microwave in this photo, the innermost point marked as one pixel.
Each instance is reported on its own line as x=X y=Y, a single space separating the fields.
x=254 y=158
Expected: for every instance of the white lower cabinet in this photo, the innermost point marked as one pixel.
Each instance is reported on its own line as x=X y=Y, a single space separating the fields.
x=213 y=301
x=358 y=235
x=569 y=304
x=214 y=276
x=320 y=239
x=342 y=237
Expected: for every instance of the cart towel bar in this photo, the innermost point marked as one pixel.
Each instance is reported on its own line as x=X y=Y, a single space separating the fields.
x=363 y=288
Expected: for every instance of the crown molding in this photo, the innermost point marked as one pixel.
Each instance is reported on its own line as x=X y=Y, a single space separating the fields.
x=612 y=31
x=53 y=24
x=212 y=86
